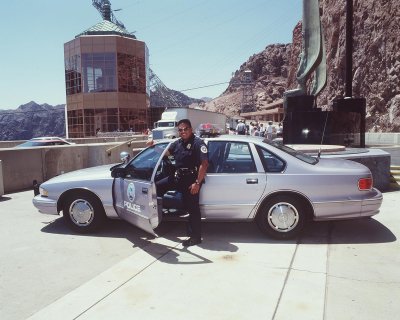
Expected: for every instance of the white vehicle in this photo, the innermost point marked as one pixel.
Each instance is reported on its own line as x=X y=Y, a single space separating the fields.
x=167 y=127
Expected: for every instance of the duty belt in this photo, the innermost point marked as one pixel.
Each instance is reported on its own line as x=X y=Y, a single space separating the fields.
x=186 y=171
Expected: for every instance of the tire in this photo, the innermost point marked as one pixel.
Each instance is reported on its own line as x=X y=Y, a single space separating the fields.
x=83 y=212
x=282 y=217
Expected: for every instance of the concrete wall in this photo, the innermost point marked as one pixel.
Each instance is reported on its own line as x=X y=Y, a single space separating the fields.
x=1 y=179
x=22 y=166
x=13 y=143
x=376 y=138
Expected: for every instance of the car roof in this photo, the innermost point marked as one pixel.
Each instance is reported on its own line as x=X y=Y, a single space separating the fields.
x=232 y=137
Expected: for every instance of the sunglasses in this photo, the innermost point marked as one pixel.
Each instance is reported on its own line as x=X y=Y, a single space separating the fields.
x=183 y=129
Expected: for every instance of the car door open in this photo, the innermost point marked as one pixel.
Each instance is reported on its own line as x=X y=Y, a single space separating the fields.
x=134 y=191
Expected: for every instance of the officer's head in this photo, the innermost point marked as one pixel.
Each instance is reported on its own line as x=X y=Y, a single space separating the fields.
x=185 y=128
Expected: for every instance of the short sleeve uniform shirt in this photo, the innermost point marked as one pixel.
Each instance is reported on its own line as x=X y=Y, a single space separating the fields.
x=189 y=154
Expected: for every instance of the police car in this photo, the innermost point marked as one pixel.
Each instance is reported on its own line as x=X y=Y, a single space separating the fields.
x=248 y=178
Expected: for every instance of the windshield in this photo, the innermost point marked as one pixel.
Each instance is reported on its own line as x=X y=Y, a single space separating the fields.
x=297 y=154
x=166 y=124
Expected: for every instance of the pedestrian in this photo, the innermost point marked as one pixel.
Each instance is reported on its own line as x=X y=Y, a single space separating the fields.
x=269 y=130
x=279 y=131
x=191 y=163
x=251 y=129
x=262 y=130
x=241 y=128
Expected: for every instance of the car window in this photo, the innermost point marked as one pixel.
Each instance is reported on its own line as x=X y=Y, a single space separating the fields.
x=142 y=166
x=230 y=157
x=294 y=153
x=271 y=162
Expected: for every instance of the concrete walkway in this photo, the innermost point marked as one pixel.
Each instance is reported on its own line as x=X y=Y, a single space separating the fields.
x=339 y=270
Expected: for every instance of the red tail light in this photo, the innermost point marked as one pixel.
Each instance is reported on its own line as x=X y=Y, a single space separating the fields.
x=365 y=184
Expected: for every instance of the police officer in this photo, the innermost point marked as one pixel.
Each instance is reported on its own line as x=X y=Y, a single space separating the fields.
x=191 y=162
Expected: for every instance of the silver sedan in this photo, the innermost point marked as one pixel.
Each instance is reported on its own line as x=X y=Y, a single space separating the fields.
x=248 y=179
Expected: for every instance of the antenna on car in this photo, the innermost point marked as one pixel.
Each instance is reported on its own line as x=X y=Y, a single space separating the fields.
x=323 y=135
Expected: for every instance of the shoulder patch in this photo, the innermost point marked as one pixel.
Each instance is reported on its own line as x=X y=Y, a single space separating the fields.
x=203 y=149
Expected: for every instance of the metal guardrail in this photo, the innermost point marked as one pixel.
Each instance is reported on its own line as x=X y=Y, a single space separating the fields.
x=128 y=143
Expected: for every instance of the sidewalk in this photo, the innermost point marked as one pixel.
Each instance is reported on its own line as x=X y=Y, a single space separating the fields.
x=339 y=270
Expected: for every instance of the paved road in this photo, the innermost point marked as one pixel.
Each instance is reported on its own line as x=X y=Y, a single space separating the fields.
x=337 y=270
x=41 y=260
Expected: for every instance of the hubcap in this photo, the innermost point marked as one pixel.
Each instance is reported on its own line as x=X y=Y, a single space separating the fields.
x=81 y=212
x=283 y=217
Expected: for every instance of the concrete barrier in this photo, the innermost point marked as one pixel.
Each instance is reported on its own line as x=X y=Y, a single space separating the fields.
x=1 y=179
x=121 y=139
x=382 y=138
x=22 y=166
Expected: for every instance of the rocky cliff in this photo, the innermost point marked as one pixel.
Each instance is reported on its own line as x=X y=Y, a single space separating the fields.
x=269 y=70
x=376 y=64
x=32 y=120
x=376 y=58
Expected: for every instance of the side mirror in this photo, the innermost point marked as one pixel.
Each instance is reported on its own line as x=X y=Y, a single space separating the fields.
x=118 y=172
x=125 y=156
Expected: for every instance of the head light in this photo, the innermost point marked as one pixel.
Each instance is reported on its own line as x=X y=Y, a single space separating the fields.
x=43 y=192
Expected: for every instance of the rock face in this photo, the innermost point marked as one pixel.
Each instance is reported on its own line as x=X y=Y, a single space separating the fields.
x=376 y=58
x=32 y=120
x=269 y=70
x=164 y=97
x=376 y=64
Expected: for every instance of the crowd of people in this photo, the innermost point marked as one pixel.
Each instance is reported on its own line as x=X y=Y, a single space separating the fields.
x=269 y=130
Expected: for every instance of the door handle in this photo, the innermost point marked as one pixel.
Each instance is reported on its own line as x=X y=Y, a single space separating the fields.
x=145 y=190
x=252 y=181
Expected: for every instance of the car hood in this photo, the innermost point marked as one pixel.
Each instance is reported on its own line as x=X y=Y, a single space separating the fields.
x=99 y=172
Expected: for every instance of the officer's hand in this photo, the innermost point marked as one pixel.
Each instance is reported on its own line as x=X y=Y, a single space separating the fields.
x=149 y=142
x=194 y=188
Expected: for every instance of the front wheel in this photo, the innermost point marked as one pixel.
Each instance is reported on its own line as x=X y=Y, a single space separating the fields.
x=282 y=217
x=83 y=212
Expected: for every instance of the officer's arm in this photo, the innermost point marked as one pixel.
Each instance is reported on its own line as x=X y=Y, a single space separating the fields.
x=202 y=171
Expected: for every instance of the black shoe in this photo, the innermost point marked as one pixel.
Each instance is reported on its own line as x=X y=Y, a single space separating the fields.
x=191 y=242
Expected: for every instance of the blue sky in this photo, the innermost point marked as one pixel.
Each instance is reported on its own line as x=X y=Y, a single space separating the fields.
x=192 y=43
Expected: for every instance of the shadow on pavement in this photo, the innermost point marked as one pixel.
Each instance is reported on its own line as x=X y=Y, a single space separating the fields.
x=112 y=229
x=223 y=236
x=361 y=231
x=3 y=198
x=364 y=230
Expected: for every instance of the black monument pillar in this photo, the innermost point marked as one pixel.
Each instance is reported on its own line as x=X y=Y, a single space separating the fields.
x=304 y=123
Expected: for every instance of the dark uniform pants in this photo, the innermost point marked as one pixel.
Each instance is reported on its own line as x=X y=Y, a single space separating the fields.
x=191 y=205
x=190 y=201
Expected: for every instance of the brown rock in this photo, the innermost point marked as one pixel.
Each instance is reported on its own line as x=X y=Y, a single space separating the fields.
x=376 y=64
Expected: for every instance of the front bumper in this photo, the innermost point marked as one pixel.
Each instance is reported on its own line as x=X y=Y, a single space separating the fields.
x=45 y=205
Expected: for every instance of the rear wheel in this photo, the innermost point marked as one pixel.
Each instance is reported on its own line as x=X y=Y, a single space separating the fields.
x=83 y=212
x=282 y=217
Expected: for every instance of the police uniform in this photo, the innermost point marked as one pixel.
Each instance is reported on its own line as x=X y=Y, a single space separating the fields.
x=188 y=158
